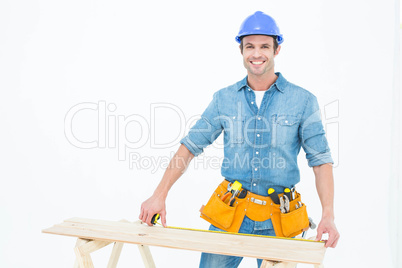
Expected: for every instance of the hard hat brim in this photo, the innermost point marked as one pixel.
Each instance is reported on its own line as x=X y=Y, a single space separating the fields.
x=279 y=38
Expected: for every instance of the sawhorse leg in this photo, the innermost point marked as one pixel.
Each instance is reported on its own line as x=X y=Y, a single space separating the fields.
x=83 y=249
x=114 y=257
x=79 y=242
x=146 y=256
x=267 y=263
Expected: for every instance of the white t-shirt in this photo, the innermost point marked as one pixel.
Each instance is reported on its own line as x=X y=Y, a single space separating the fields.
x=258 y=97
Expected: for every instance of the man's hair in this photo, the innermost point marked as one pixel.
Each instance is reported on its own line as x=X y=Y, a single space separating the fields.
x=273 y=36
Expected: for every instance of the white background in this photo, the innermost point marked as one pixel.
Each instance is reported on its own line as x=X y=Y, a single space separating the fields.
x=57 y=54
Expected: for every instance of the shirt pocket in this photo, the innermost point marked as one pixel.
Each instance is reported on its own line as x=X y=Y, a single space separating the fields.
x=285 y=129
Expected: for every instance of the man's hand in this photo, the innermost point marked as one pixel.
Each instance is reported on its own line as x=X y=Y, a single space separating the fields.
x=152 y=206
x=327 y=226
x=324 y=182
x=156 y=203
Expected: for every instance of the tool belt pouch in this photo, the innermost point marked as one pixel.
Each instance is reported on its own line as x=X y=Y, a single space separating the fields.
x=220 y=214
x=292 y=223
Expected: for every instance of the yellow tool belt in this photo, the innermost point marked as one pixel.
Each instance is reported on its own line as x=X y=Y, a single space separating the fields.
x=257 y=208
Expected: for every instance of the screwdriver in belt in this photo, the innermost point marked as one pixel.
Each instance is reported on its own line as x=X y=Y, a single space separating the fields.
x=287 y=193
x=273 y=195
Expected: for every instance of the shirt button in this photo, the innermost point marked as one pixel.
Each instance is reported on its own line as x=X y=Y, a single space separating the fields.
x=255 y=184
x=259 y=118
x=256 y=152
x=249 y=89
x=258 y=135
x=286 y=121
x=252 y=102
x=256 y=169
x=234 y=117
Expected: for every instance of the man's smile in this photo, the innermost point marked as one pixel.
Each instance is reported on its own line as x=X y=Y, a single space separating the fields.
x=257 y=62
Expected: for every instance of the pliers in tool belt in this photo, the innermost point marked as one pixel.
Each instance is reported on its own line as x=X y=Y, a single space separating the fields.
x=233 y=189
x=284 y=200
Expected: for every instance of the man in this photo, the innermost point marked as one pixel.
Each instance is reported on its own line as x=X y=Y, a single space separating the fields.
x=265 y=120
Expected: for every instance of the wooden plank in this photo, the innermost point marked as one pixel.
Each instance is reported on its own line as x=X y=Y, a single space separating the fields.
x=101 y=222
x=146 y=256
x=114 y=257
x=286 y=265
x=287 y=250
x=199 y=241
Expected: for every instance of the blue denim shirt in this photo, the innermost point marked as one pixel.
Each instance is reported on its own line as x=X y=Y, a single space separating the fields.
x=261 y=145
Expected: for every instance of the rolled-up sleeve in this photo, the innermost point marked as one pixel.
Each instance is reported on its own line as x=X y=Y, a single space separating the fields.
x=206 y=130
x=312 y=135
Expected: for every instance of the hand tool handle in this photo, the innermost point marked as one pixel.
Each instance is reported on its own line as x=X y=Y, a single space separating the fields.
x=231 y=201
x=225 y=196
x=273 y=195
x=242 y=194
x=287 y=193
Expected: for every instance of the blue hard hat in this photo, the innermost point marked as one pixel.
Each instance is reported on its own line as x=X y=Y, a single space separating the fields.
x=259 y=23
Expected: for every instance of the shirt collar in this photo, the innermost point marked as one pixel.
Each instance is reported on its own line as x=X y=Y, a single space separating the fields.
x=280 y=83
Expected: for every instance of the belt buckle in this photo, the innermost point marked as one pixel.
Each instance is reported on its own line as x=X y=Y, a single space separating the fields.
x=258 y=201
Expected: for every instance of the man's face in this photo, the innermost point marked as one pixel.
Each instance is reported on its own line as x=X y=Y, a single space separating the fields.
x=258 y=54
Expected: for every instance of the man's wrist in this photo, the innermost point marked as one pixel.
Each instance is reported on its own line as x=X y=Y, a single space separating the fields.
x=328 y=215
x=160 y=194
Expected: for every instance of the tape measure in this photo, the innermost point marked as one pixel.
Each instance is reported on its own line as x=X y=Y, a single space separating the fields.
x=156 y=217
